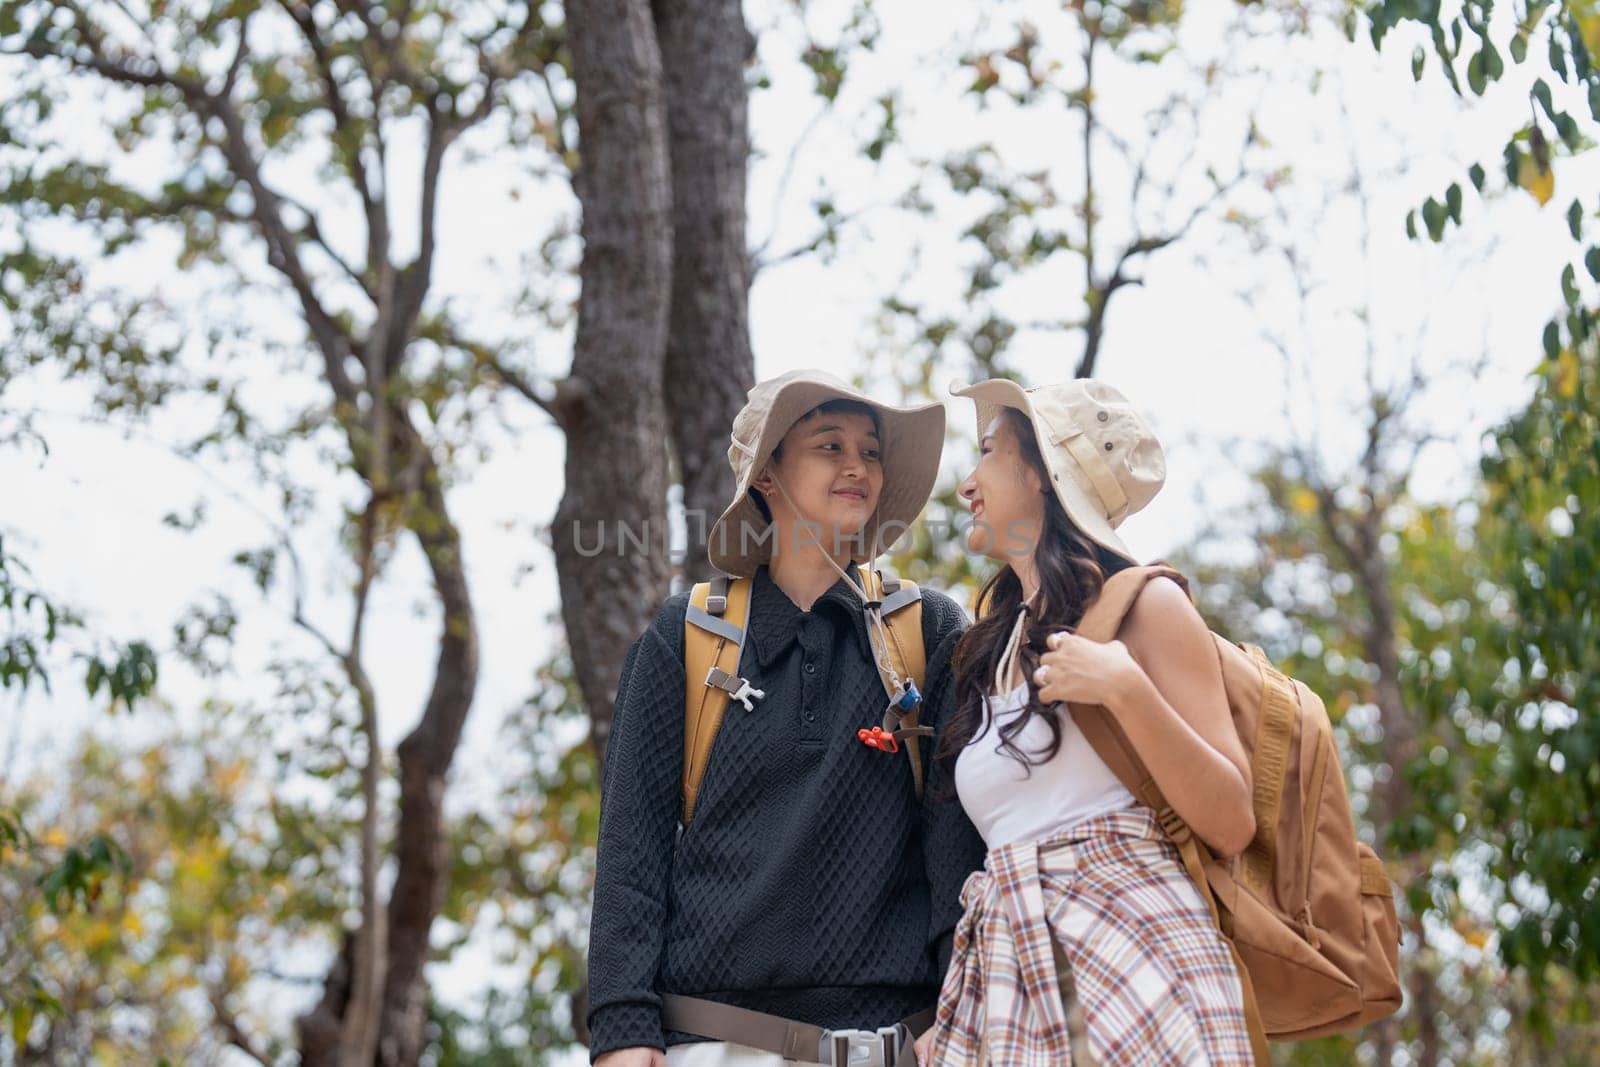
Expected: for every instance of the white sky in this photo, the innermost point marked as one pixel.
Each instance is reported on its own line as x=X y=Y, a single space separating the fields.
x=1184 y=346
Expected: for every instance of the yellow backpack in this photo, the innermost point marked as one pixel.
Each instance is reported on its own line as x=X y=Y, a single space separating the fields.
x=713 y=638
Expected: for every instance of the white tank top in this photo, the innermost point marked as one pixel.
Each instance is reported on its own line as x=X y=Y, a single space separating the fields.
x=1007 y=803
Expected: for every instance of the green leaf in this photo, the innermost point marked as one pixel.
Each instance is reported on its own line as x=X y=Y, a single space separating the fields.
x=1552 y=339
x=1411 y=224
x=1568 y=129
x=1591 y=261
x=1519 y=47
x=1594 y=100
x=1580 y=50
x=1475 y=172
x=1475 y=74
x=1493 y=66
x=1575 y=220
x=1452 y=199
x=1541 y=93
x=21 y=1025
x=1433 y=216
x=1418 y=60
x=1569 y=286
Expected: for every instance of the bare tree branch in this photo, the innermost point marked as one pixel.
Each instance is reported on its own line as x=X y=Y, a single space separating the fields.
x=228 y=1023
x=345 y=129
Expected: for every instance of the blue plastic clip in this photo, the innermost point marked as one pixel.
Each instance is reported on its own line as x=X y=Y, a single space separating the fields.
x=910 y=698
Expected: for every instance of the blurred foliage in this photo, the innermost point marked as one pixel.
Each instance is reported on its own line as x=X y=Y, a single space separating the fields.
x=251 y=134
x=52 y=875
x=1118 y=187
x=1498 y=846
x=220 y=879
x=258 y=152
x=1541 y=788
x=217 y=855
x=1557 y=44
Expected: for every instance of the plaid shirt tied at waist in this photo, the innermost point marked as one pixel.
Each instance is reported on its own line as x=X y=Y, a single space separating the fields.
x=1157 y=983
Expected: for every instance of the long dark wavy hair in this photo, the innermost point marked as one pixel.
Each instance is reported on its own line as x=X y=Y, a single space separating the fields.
x=1072 y=570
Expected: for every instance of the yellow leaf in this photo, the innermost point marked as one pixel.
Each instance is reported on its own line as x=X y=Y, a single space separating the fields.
x=236 y=971
x=1565 y=378
x=229 y=776
x=1304 y=501
x=1537 y=180
x=55 y=837
x=1589 y=30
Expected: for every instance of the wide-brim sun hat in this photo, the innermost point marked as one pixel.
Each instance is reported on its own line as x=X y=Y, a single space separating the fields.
x=910 y=440
x=1105 y=461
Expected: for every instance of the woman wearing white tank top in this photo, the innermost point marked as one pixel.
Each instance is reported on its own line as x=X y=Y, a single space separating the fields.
x=1081 y=892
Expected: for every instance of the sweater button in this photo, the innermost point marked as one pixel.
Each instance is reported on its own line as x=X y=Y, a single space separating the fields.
x=811 y=716
x=811 y=668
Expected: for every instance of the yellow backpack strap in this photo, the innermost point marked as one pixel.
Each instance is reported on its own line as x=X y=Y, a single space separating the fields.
x=713 y=638
x=900 y=606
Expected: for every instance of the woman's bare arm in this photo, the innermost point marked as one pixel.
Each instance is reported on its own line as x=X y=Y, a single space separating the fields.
x=1161 y=680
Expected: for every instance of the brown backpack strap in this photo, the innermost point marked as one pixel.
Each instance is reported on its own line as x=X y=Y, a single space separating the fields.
x=1101 y=622
x=713 y=638
x=1105 y=735
x=1104 y=617
x=901 y=607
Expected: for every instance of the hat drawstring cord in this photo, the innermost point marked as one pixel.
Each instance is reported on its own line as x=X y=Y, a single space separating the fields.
x=874 y=615
x=1013 y=650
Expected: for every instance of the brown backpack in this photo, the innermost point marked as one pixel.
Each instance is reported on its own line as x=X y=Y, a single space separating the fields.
x=1307 y=908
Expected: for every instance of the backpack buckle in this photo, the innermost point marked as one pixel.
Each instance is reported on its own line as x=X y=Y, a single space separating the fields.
x=1172 y=824
x=737 y=688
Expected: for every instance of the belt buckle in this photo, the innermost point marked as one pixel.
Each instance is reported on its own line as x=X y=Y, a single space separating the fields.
x=862 y=1048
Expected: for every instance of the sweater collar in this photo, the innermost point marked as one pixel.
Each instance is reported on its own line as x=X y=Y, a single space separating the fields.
x=775 y=619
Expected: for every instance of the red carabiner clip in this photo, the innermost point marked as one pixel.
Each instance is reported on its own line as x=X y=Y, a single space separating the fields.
x=879 y=738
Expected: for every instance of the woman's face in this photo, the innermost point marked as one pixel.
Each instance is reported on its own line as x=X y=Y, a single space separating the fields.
x=831 y=467
x=1006 y=497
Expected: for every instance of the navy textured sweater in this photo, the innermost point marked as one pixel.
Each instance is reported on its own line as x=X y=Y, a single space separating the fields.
x=811 y=884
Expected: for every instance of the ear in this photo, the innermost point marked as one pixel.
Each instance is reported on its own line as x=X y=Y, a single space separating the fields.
x=763 y=481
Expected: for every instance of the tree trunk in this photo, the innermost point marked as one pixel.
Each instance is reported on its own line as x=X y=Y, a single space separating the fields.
x=610 y=527
x=709 y=367
x=1381 y=643
x=425 y=755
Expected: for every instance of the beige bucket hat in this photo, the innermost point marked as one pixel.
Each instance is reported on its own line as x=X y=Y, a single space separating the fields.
x=911 y=440
x=1104 y=459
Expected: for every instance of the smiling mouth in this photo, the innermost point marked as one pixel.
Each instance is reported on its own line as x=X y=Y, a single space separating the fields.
x=854 y=494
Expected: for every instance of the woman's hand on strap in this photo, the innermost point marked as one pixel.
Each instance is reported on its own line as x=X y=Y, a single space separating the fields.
x=1076 y=670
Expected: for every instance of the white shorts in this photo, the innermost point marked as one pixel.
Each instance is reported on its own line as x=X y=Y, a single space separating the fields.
x=725 y=1054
